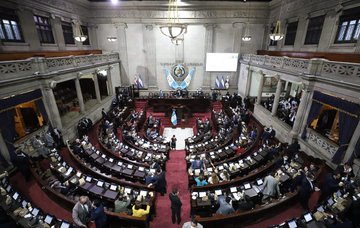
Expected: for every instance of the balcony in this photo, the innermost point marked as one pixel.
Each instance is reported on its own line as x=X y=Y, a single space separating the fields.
x=321 y=69
x=12 y=71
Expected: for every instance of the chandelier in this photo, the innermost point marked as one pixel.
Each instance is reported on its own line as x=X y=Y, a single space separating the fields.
x=247 y=36
x=177 y=41
x=277 y=35
x=79 y=35
x=173 y=28
x=111 y=38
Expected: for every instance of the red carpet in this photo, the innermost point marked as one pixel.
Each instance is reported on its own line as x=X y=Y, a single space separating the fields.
x=33 y=192
x=176 y=176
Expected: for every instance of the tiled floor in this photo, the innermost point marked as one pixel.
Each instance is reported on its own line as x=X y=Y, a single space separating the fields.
x=180 y=133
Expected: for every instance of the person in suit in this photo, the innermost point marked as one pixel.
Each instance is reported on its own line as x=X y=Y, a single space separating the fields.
x=173 y=142
x=98 y=215
x=345 y=171
x=22 y=163
x=225 y=207
x=306 y=188
x=270 y=188
x=160 y=183
x=121 y=204
x=175 y=206
x=331 y=184
x=81 y=212
x=58 y=137
x=49 y=141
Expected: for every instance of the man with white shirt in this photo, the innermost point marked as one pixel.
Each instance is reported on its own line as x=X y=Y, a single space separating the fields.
x=81 y=212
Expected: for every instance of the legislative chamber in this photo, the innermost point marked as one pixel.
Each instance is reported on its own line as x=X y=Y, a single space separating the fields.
x=180 y=113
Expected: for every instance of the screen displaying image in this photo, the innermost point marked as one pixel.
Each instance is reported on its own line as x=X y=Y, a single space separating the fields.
x=222 y=62
x=64 y=225
x=292 y=224
x=247 y=186
x=308 y=217
x=35 y=212
x=48 y=219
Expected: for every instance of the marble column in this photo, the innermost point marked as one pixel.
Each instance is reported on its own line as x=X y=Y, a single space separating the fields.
x=300 y=32
x=279 y=88
x=248 y=82
x=97 y=88
x=58 y=32
x=260 y=89
x=92 y=28
x=237 y=43
x=109 y=82
x=357 y=48
x=79 y=95
x=209 y=45
x=300 y=114
x=149 y=41
x=4 y=150
x=122 y=49
x=326 y=38
x=50 y=103
x=354 y=139
x=29 y=32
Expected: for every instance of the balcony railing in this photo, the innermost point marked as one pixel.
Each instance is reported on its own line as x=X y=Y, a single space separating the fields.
x=322 y=68
x=11 y=70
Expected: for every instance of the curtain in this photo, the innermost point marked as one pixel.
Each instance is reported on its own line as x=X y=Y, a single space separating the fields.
x=356 y=152
x=41 y=107
x=336 y=102
x=7 y=125
x=19 y=99
x=347 y=125
x=314 y=112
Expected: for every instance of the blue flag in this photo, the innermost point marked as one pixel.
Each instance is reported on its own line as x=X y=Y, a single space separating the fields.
x=217 y=82
x=174 y=118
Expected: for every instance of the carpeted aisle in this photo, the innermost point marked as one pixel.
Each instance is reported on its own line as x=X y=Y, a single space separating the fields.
x=176 y=175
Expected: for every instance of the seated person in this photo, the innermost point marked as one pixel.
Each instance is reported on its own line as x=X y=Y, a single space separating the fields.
x=225 y=207
x=200 y=181
x=213 y=179
x=224 y=175
x=150 y=179
x=137 y=211
x=246 y=204
x=121 y=204
x=197 y=164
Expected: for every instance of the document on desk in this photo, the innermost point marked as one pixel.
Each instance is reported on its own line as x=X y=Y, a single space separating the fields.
x=202 y=194
x=68 y=171
x=143 y=193
x=236 y=196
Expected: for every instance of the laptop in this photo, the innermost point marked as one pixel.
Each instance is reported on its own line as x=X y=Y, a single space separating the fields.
x=292 y=224
x=247 y=186
x=15 y=196
x=308 y=217
x=100 y=183
x=35 y=212
x=113 y=187
x=88 y=179
x=48 y=219
x=65 y=225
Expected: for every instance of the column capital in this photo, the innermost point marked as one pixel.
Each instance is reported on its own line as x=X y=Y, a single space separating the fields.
x=238 y=24
x=209 y=26
x=149 y=27
x=78 y=75
x=121 y=25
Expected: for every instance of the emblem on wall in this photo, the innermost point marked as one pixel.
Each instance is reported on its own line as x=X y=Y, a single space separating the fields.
x=179 y=76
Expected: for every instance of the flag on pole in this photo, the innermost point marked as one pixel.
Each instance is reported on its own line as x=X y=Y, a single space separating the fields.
x=136 y=81
x=217 y=82
x=174 y=117
x=140 y=82
x=222 y=82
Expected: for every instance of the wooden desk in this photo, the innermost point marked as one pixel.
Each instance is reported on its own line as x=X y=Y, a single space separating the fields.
x=199 y=105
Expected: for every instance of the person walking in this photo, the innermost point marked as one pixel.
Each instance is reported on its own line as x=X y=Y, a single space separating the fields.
x=173 y=142
x=175 y=206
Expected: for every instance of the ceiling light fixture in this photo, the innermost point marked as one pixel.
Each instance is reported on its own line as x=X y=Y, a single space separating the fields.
x=277 y=35
x=114 y=2
x=177 y=41
x=79 y=36
x=173 y=28
x=112 y=38
x=247 y=36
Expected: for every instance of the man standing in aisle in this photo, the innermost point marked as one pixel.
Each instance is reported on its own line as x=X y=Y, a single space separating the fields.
x=81 y=212
x=175 y=206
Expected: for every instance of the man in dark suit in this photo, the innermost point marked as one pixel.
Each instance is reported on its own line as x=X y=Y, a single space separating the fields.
x=306 y=188
x=22 y=163
x=160 y=183
x=175 y=206
x=98 y=215
x=81 y=212
x=331 y=184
